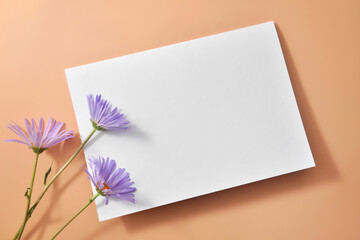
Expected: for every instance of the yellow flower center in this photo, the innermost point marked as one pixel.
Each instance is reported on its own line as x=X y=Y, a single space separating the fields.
x=105 y=186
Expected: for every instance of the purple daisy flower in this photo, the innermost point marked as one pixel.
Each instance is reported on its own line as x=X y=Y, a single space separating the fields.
x=38 y=138
x=109 y=182
x=102 y=117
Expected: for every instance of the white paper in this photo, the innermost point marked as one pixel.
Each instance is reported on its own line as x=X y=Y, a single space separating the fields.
x=207 y=115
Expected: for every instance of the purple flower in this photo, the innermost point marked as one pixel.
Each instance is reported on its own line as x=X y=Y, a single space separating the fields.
x=102 y=117
x=38 y=138
x=109 y=182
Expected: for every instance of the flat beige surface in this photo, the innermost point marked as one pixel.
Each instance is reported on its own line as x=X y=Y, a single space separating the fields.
x=320 y=40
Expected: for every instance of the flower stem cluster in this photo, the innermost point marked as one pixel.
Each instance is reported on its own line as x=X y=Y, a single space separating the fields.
x=107 y=180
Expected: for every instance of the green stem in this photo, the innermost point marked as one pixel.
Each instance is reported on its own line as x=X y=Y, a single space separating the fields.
x=71 y=219
x=28 y=196
x=18 y=236
x=63 y=168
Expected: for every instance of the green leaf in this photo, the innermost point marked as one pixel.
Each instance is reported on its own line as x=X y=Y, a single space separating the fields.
x=47 y=174
x=31 y=210
x=26 y=193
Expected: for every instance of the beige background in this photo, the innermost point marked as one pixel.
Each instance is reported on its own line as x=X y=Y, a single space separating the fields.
x=320 y=40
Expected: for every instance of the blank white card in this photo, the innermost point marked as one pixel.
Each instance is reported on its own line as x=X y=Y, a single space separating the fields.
x=207 y=114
